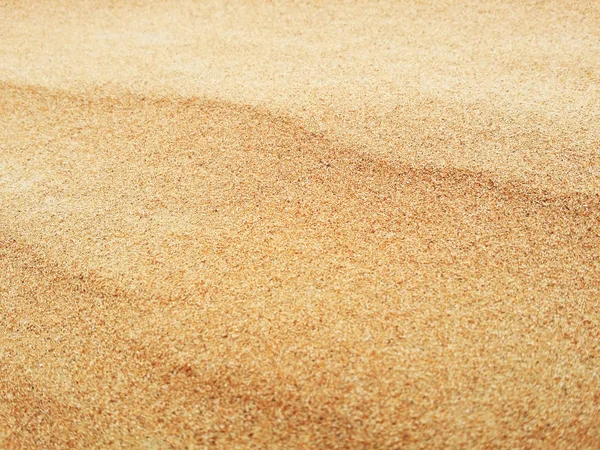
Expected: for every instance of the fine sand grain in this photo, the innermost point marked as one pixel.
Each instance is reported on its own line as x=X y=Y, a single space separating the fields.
x=234 y=224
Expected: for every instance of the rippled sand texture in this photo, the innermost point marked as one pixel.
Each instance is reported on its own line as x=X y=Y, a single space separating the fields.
x=300 y=225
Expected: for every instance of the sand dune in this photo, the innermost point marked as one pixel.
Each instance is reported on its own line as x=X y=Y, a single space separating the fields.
x=299 y=225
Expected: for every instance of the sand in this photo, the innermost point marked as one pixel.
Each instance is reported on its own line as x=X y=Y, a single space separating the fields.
x=300 y=224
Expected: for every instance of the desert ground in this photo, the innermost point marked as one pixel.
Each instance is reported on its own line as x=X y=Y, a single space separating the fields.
x=300 y=224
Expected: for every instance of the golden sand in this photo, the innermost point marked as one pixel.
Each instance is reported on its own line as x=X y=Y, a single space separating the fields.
x=300 y=224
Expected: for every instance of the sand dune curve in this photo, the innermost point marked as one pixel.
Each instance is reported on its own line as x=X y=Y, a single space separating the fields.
x=181 y=266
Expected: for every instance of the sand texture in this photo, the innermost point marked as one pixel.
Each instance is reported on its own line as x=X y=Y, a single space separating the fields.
x=281 y=224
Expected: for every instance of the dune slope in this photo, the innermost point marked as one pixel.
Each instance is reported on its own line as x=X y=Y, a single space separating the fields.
x=246 y=262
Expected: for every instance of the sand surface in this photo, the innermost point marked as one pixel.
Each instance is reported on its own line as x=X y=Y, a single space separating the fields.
x=239 y=224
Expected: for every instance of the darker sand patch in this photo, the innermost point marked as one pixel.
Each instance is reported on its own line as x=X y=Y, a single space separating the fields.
x=185 y=271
